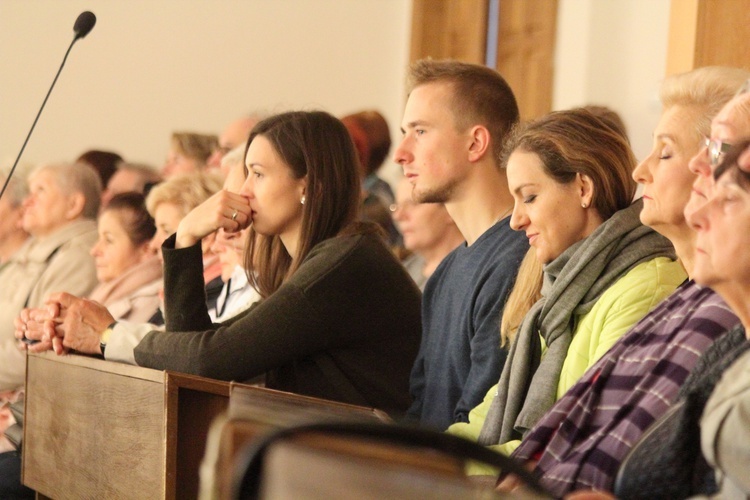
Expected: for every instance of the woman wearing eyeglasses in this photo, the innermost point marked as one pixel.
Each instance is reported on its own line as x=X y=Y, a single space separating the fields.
x=725 y=425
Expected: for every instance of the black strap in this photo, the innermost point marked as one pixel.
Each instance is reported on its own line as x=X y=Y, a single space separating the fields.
x=247 y=473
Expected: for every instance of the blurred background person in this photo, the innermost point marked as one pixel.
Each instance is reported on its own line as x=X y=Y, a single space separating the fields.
x=12 y=233
x=237 y=294
x=131 y=178
x=59 y=213
x=127 y=268
x=168 y=203
x=104 y=162
x=372 y=140
x=428 y=233
x=188 y=152
x=235 y=134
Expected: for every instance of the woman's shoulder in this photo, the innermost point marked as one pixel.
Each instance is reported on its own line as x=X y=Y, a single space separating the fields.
x=653 y=277
x=640 y=289
x=622 y=305
x=350 y=253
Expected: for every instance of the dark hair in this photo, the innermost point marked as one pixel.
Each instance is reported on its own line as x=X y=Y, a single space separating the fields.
x=729 y=165
x=104 y=162
x=480 y=96
x=373 y=129
x=577 y=142
x=135 y=219
x=317 y=145
x=610 y=117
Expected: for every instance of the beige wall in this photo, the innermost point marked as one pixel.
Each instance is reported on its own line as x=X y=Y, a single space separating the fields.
x=153 y=66
x=613 y=52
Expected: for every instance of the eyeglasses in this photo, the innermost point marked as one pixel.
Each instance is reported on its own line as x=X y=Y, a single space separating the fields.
x=401 y=206
x=716 y=149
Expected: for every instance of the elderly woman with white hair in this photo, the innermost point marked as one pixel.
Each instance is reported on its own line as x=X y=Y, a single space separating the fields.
x=60 y=215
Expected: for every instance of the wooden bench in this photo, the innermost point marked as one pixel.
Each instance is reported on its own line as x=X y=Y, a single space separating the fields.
x=97 y=429
x=324 y=465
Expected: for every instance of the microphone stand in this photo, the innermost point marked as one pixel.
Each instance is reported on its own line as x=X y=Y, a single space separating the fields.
x=15 y=164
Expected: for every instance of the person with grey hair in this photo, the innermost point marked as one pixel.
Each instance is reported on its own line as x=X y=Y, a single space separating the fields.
x=12 y=234
x=238 y=294
x=59 y=213
x=130 y=177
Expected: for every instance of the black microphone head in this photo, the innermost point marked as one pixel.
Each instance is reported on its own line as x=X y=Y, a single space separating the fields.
x=84 y=24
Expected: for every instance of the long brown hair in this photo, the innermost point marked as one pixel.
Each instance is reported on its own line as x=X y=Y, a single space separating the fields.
x=568 y=142
x=577 y=142
x=317 y=145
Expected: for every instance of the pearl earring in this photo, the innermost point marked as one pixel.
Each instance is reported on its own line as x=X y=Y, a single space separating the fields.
x=584 y=205
x=302 y=201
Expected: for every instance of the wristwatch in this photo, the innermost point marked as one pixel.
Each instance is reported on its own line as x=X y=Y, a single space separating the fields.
x=105 y=337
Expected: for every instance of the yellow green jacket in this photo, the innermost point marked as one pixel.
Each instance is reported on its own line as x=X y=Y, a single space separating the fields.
x=616 y=311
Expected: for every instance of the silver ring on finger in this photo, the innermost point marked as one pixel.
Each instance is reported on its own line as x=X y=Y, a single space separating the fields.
x=234 y=216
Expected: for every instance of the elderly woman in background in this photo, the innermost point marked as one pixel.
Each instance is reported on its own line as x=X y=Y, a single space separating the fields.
x=427 y=230
x=188 y=152
x=237 y=294
x=128 y=270
x=59 y=214
x=12 y=233
x=168 y=203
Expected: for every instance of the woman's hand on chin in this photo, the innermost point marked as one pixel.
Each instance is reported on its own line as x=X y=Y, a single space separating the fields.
x=224 y=209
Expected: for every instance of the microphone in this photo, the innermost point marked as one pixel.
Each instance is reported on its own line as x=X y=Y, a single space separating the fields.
x=83 y=25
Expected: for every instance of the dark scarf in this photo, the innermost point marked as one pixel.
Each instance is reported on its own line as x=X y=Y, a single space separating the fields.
x=573 y=282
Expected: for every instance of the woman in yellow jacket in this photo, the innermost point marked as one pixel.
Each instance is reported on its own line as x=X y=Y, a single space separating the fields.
x=570 y=175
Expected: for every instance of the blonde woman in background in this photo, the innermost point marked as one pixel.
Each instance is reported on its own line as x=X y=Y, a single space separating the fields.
x=189 y=152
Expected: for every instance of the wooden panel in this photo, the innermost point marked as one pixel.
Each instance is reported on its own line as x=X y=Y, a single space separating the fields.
x=722 y=37
x=447 y=29
x=254 y=411
x=525 y=53
x=683 y=22
x=707 y=33
x=322 y=473
x=198 y=402
x=116 y=431
x=90 y=433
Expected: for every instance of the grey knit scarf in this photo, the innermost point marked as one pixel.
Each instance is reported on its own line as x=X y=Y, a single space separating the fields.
x=573 y=282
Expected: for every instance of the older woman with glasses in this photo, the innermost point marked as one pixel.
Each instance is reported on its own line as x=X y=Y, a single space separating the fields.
x=725 y=425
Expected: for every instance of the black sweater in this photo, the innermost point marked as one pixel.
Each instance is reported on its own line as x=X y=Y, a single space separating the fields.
x=345 y=327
